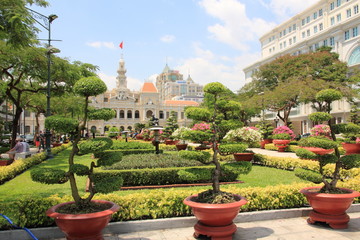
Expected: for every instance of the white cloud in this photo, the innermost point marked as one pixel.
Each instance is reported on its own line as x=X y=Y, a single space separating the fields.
x=132 y=83
x=285 y=9
x=98 y=44
x=236 y=28
x=167 y=38
x=228 y=71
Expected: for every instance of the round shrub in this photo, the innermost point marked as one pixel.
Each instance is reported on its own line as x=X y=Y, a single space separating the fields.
x=319 y=142
x=231 y=148
x=95 y=145
x=200 y=156
x=109 y=158
x=320 y=116
x=90 y=86
x=48 y=175
x=230 y=171
x=61 y=124
x=194 y=175
x=350 y=161
x=79 y=169
x=308 y=175
x=106 y=182
x=305 y=154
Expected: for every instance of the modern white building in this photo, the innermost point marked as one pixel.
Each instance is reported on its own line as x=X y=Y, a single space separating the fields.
x=334 y=23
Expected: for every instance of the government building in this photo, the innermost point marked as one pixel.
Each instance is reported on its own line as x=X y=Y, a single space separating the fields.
x=334 y=23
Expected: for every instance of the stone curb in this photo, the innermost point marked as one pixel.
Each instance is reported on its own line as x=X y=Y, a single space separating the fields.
x=167 y=223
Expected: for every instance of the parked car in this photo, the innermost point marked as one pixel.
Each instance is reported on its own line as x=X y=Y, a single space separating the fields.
x=29 y=138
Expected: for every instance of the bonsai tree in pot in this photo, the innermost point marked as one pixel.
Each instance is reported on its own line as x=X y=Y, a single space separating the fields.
x=266 y=129
x=180 y=134
x=329 y=202
x=237 y=149
x=200 y=133
x=214 y=202
x=171 y=126
x=351 y=133
x=76 y=218
x=282 y=136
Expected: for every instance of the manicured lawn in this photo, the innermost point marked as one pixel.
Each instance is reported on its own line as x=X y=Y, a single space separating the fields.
x=22 y=186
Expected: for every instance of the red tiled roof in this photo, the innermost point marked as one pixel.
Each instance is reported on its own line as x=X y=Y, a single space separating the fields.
x=182 y=103
x=149 y=87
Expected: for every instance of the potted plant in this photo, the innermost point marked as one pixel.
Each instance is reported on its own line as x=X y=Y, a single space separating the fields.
x=180 y=134
x=171 y=126
x=266 y=129
x=321 y=130
x=6 y=161
x=200 y=133
x=319 y=145
x=82 y=218
x=329 y=202
x=237 y=149
x=282 y=136
x=351 y=133
x=214 y=209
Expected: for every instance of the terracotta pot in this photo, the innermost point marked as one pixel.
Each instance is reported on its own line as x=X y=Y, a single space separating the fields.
x=264 y=142
x=243 y=157
x=83 y=226
x=6 y=162
x=171 y=142
x=139 y=137
x=281 y=144
x=181 y=146
x=215 y=220
x=56 y=144
x=319 y=151
x=351 y=148
x=202 y=148
x=329 y=208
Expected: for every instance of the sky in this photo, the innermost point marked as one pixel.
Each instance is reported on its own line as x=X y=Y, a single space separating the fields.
x=210 y=40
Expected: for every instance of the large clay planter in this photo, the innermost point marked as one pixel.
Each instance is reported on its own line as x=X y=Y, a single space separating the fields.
x=319 y=151
x=171 y=142
x=215 y=220
x=199 y=148
x=243 y=157
x=351 y=148
x=83 y=226
x=281 y=144
x=180 y=147
x=329 y=208
x=264 y=142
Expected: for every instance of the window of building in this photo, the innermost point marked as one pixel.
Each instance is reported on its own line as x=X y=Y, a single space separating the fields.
x=308 y=32
x=320 y=12
x=355 y=31
x=356 y=9
x=303 y=34
x=315 y=29
x=332 y=6
x=290 y=29
x=284 y=32
x=332 y=20
x=280 y=45
x=315 y=15
x=122 y=114
x=106 y=100
x=27 y=129
x=348 y=12
x=338 y=3
x=27 y=113
x=290 y=41
x=311 y=48
x=129 y=114
x=338 y=17
x=307 y=19
x=281 y=34
x=325 y=42
x=161 y=114
x=316 y=46
x=294 y=27
x=137 y=114
x=321 y=26
x=332 y=41
x=303 y=22
x=294 y=40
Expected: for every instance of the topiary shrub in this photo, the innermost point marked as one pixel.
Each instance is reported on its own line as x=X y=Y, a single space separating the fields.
x=319 y=142
x=109 y=158
x=308 y=175
x=201 y=156
x=305 y=154
x=231 y=148
x=95 y=145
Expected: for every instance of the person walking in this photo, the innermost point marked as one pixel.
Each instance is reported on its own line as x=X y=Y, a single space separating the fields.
x=42 y=141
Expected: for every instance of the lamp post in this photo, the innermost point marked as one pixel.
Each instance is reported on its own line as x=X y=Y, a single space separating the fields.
x=156 y=128
x=276 y=120
x=126 y=135
x=47 y=20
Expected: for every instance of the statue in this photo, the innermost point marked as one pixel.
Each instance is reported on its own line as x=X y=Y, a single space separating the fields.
x=154 y=121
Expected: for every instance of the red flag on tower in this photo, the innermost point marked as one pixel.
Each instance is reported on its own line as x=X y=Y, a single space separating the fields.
x=121 y=44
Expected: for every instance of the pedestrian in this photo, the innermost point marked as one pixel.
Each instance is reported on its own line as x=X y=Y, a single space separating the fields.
x=18 y=148
x=42 y=141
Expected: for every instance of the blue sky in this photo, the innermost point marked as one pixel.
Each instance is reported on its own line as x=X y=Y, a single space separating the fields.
x=212 y=40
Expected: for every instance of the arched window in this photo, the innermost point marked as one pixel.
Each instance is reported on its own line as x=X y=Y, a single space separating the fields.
x=354 y=58
x=149 y=114
x=161 y=114
x=129 y=114
x=137 y=114
x=122 y=114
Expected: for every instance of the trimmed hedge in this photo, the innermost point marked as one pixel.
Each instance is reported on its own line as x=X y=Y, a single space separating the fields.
x=117 y=145
x=18 y=166
x=289 y=148
x=124 y=152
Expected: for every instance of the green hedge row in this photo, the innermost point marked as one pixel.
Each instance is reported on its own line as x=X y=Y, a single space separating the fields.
x=124 y=152
x=30 y=212
x=165 y=176
x=18 y=166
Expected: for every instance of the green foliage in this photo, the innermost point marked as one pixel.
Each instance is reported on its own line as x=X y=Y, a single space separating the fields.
x=102 y=114
x=350 y=161
x=308 y=175
x=201 y=156
x=109 y=158
x=236 y=168
x=320 y=142
x=198 y=114
x=328 y=95
x=192 y=175
x=214 y=88
x=198 y=136
x=61 y=124
x=171 y=125
x=95 y=145
x=113 y=132
x=305 y=154
x=231 y=148
x=106 y=182
x=266 y=129
x=131 y=145
x=141 y=161
x=90 y=86
x=125 y=152
x=320 y=116
x=79 y=169
x=281 y=136
x=48 y=176
x=349 y=130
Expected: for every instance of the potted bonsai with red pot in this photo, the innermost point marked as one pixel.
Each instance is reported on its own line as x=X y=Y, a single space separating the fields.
x=266 y=129
x=214 y=209
x=350 y=133
x=83 y=218
x=329 y=202
x=180 y=136
x=238 y=150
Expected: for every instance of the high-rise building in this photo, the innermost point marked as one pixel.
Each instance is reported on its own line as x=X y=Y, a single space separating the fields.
x=334 y=23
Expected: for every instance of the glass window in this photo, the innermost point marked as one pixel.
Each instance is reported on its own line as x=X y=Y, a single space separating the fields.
x=280 y=45
x=356 y=9
x=355 y=31
x=315 y=15
x=315 y=29
x=348 y=13
x=332 y=6
x=281 y=34
x=332 y=20
x=338 y=17
x=137 y=114
x=290 y=29
x=122 y=114
x=307 y=19
x=320 y=12
x=321 y=26
x=316 y=46
x=303 y=22
x=338 y=3
x=325 y=42
x=294 y=27
x=294 y=39
x=129 y=114
x=308 y=32
x=332 y=41
x=303 y=34
x=284 y=44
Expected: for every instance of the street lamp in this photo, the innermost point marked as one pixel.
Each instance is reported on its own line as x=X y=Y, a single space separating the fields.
x=47 y=20
x=156 y=128
x=126 y=134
